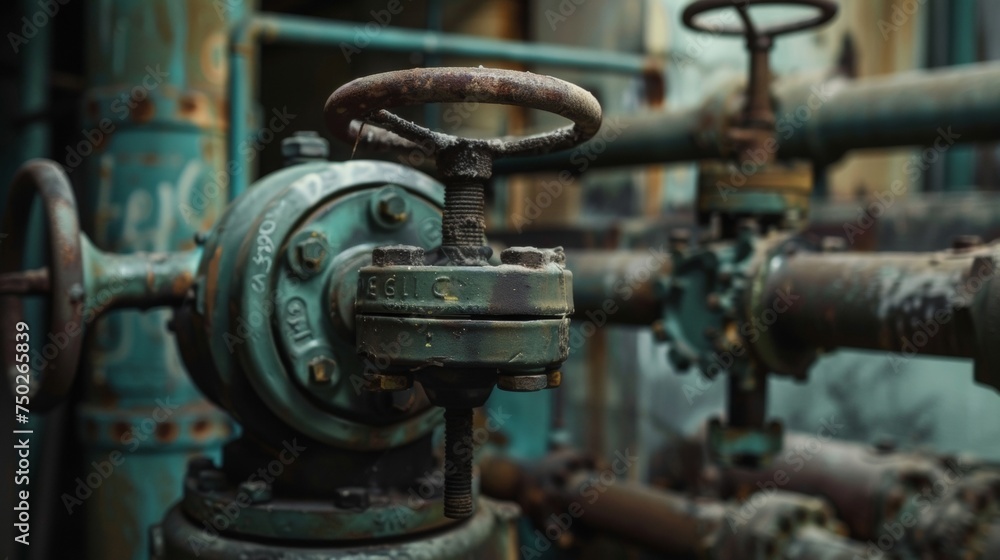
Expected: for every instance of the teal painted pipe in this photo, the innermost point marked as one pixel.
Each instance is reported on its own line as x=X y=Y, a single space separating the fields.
x=151 y=159
x=354 y=37
x=963 y=37
x=819 y=122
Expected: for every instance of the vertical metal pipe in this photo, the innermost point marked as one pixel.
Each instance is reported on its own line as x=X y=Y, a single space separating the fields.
x=152 y=159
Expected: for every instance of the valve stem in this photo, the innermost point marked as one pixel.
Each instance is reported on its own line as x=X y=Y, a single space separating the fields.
x=457 y=463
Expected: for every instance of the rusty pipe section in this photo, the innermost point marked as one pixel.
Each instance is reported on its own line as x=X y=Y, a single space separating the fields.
x=815 y=120
x=137 y=280
x=563 y=491
x=620 y=287
x=920 y=500
x=942 y=303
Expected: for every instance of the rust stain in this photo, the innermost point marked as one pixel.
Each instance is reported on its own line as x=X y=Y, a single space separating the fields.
x=143 y=111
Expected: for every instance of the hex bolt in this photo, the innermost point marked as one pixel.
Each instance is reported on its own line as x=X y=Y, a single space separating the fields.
x=257 y=491
x=528 y=257
x=304 y=146
x=522 y=383
x=198 y=464
x=965 y=242
x=392 y=206
x=352 y=498
x=321 y=370
x=398 y=255
x=211 y=480
x=457 y=463
x=387 y=382
x=312 y=254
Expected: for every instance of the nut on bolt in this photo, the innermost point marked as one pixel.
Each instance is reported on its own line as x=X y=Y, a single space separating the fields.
x=387 y=382
x=304 y=146
x=390 y=207
x=322 y=370
x=528 y=257
x=523 y=383
x=258 y=491
x=309 y=254
x=398 y=255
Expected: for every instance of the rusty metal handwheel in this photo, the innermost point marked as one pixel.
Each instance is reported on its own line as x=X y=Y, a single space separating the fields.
x=827 y=10
x=63 y=283
x=367 y=100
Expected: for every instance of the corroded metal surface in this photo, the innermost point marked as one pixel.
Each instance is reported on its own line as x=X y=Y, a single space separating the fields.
x=46 y=180
x=827 y=10
x=948 y=106
x=490 y=534
x=942 y=303
x=569 y=497
x=367 y=98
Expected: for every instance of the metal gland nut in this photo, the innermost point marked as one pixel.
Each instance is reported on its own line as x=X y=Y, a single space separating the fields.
x=398 y=255
x=322 y=370
x=386 y=382
x=523 y=383
x=211 y=480
x=528 y=257
x=305 y=145
x=258 y=491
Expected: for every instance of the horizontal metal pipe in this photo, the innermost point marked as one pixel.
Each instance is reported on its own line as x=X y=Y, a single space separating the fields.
x=942 y=303
x=274 y=28
x=818 y=121
x=663 y=522
x=621 y=287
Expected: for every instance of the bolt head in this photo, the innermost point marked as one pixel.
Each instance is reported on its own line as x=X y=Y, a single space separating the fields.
x=964 y=242
x=523 y=383
x=258 y=491
x=398 y=255
x=387 y=382
x=392 y=207
x=211 y=480
x=352 y=498
x=311 y=253
x=554 y=379
x=305 y=145
x=528 y=257
x=322 y=370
